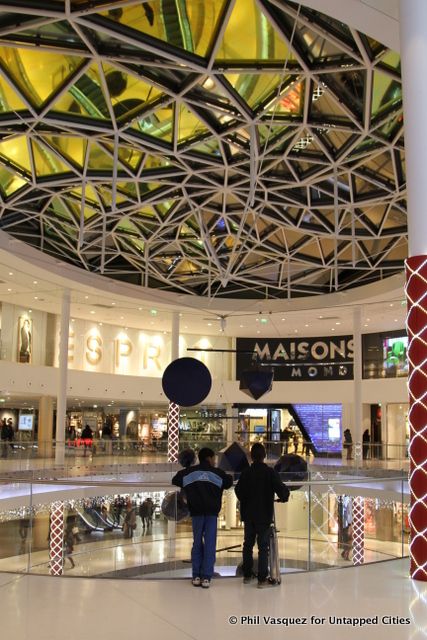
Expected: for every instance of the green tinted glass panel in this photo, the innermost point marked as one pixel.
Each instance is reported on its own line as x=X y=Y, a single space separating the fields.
x=385 y=92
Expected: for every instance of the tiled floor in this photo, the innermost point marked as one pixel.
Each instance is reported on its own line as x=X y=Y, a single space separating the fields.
x=43 y=608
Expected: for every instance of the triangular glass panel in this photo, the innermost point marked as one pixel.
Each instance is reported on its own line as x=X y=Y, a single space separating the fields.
x=51 y=33
x=46 y=162
x=254 y=88
x=249 y=35
x=9 y=99
x=71 y=147
x=38 y=74
x=128 y=94
x=386 y=93
x=85 y=97
x=10 y=182
x=348 y=87
x=158 y=124
x=326 y=105
x=189 y=125
x=15 y=151
x=291 y=99
x=99 y=159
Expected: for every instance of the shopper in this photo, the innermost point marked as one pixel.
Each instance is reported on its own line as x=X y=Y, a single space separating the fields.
x=255 y=491
x=203 y=484
x=348 y=444
x=87 y=437
x=144 y=512
x=71 y=536
x=366 y=439
x=347 y=528
x=129 y=524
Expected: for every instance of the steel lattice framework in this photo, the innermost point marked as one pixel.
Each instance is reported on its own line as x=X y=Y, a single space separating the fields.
x=229 y=148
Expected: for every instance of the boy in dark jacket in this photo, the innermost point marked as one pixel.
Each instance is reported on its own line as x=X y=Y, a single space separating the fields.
x=255 y=490
x=203 y=484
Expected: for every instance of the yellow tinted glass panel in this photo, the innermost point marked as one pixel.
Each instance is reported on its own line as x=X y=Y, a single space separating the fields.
x=254 y=88
x=85 y=97
x=15 y=151
x=9 y=99
x=189 y=124
x=38 y=74
x=249 y=36
x=46 y=162
x=128 y=93
x=290 y=100
x=71 y=147
x=158 y=124
x=10 y=182
x=182 y=24
x=99 y=158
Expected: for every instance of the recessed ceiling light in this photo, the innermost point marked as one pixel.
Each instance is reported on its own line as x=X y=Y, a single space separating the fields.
x=295 y=330
x=396 y=320
x=36 y=297
x=92 y=312
x=86 y=297
x=185 y=326
x=258 y=331
x=122 y=317
x=30 y=311
x=73 y=320
x=209 y=324
x=11 y=274
x=338 y=323
x=264 y=320
x=241 y=326
x=139 y=308
x=153 y=312
x=306 y=325
x=365 y=325
x=100 y=324
x=9 y=290
x=283 y=319
x=333 y=329
x=35 y=282
x=113 y=304
x=256 y=319
x=180 y=315
x=2 y=400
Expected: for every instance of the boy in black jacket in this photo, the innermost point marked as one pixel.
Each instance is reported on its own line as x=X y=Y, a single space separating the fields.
x=255 y=490
x=203 y=485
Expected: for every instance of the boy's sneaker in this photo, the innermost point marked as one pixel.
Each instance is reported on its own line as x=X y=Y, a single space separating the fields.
x=196 y=582
x=206 y=583
x=247 y=580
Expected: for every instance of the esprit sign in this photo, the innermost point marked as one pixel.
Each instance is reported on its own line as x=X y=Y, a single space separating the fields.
x=328 y=358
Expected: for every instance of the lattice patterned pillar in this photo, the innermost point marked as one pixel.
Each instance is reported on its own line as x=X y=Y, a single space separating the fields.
x=173 y=432
x=416 y=294
x=358 y=530
x=56 y=539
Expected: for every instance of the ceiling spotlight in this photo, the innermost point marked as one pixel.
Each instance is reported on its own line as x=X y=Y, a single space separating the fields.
x=153 y=312
x=11 y=273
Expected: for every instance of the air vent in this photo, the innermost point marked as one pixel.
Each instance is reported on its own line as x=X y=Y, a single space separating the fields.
x=328 y=318
x=102 y=306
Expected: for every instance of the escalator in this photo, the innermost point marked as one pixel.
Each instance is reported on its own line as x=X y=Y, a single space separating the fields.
x=90 y=520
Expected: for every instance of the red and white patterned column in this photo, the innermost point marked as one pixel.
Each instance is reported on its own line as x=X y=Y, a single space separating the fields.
x=358 y=530
x=56 y=539
x=173 y=432
x=416 y=324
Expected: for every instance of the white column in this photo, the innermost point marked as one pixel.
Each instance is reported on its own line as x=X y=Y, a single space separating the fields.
x=413 y=51
x=230 y=509
x=61 y=403
x=357 y=385
x=175 y=336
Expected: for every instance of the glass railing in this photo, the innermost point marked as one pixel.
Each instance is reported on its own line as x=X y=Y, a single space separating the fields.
x=107 y=527
x=28 y=455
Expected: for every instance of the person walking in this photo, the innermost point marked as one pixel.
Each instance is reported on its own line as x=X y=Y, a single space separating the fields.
x=255 y=490
x=204 y=485
x=348 y=444
x=366 y=439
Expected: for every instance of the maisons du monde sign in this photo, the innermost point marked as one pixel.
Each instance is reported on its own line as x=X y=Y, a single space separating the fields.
x=328 y=358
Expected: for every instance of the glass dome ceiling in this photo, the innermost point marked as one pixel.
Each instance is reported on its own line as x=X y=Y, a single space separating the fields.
x=223 y=148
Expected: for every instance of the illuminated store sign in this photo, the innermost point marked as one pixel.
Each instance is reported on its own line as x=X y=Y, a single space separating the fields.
x=301 y=359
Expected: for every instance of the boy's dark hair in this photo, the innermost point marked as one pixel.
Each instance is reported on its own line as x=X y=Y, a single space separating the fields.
x=204 y=453
x=258 y=453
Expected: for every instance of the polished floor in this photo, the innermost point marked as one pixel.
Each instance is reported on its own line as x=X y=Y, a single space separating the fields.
x=44 y=608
